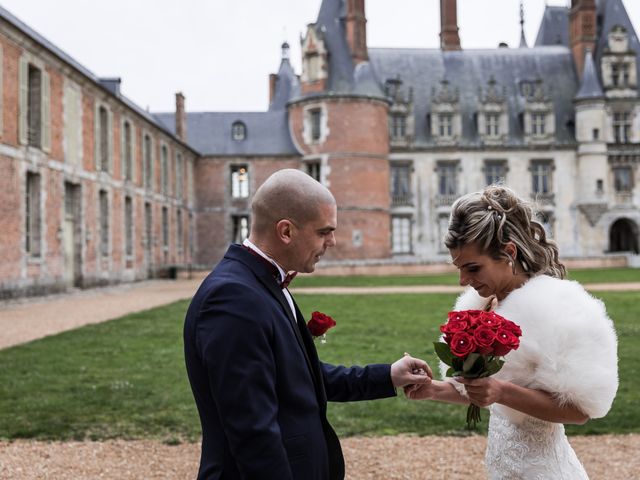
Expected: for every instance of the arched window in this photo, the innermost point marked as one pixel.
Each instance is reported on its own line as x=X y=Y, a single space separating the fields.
x=239 y=131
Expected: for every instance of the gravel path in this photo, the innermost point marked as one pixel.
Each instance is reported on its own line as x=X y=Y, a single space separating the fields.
x=380 y=458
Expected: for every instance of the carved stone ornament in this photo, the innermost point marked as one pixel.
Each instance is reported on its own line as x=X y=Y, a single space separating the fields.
x=593 y=211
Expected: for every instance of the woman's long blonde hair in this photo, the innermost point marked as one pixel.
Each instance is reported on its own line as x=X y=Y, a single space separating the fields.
x=495 y=216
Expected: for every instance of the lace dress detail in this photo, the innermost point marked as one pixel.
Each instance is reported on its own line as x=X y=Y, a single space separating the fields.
x=525 y=448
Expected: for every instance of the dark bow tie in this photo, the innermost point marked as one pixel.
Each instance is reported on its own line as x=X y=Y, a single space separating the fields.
x=273 y=269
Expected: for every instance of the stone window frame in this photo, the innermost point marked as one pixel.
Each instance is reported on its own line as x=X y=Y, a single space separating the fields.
x=103 y=137
x=165 y=169
x=26 y=62
x=405 y=247
x=315 y=127
x=33 y=215
x=128 y=151
x=179 y=231
x=239 y=131
x=399 y=199
x=542 y=180
x=180 y=164
x=166 y=243
x=104 y=223
x=239 y=230
x=129 y=230
x=497 y=163
x=148 y=160
x=621 y=128
x=239 y=186
x=73 y=113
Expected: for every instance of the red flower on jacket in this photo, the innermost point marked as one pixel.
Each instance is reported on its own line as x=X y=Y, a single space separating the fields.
x=320 y=323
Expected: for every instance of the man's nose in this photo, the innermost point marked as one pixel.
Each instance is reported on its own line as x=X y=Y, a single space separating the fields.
x=331 y=240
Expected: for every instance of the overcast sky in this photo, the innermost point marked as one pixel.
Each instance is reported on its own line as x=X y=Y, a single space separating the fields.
x=219 y=53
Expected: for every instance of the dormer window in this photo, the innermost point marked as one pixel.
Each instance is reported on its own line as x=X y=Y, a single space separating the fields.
x=538 y=123
x=620 y=74
x=445 y=125
x=493 y=124
x=239 y=131
x=398 y=126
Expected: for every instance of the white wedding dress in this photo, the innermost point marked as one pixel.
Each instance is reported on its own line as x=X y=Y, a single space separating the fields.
x=569 y=348
x=529 y=450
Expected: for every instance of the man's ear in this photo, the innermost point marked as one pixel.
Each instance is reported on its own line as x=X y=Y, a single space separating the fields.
x=284 y=231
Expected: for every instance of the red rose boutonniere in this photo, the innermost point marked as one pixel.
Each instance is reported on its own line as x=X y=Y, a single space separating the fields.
x=319 y=324
x=474 y=342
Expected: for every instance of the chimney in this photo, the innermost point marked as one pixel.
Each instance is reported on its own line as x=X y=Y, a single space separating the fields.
x=273 y=77
x=449 y=38
x=356 y=23
x=582 y=30
x=181 y=118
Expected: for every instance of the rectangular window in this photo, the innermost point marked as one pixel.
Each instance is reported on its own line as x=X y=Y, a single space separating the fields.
x=165 y=228
x=538 y=123
x=164 y=169
x=103 y=139
x=72 y=125
x=34 y=107
x=445 y=125
x=621 y=127
x=240 y=228
x=447 y=178
x=148 y=226
x=493 y=124
x=104 y=223
x=495 y=172
x=127 y=151
x=541 y=176
x=32 y=215
x=313 y=170
x=179 y=175
x=179 y=231
x=316 y=117
x=128 y=226
x=148 y=161
x=622 y=179
x=620 y=74
x=401 y=234
x=239 y=181
x=398 y=126
x=401 y=184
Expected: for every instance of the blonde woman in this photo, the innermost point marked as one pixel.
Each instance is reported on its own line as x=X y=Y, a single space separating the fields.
x=565 y=371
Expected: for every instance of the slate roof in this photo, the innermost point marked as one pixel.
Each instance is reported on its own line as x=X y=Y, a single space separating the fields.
x=267 y=133
x=467 y=70
x=105 y=84
x=590 y=85
x=344 y=78
x=610 y=14
x=554 y=27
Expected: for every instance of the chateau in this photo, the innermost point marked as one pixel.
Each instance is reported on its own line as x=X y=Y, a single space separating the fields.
x=97 y=191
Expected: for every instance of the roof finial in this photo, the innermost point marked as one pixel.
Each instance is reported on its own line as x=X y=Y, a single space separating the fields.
x=523 y=40
x=285 y=50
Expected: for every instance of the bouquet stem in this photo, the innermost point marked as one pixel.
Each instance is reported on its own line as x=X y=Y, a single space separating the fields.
x=473 y=416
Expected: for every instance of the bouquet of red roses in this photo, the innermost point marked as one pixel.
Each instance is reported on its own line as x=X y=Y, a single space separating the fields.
x=474 y=341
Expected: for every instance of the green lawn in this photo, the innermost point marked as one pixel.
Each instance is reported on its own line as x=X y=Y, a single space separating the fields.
x=126 y=378
x=584 y=276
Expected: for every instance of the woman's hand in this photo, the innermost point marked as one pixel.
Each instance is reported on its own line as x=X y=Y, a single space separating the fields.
x=483 y=391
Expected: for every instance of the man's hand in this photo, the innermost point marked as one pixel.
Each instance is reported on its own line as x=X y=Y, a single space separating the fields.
x=410 y=371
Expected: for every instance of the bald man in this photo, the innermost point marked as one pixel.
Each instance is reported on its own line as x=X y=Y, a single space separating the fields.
x=260 y=389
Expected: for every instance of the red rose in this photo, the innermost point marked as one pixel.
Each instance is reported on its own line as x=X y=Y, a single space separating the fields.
x=512 y=327
x=320 y=323
x=462 y=316
x=462 y=344
x=491 y=319
x=484 y=337
x=505 y=342
x=454 y=326
x=475 y=316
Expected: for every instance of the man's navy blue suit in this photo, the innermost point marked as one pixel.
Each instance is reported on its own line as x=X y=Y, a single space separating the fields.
x=260 y=389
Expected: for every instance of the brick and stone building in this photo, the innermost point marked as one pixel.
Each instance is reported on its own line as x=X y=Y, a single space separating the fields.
x=93 y=189
x=96 y=190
